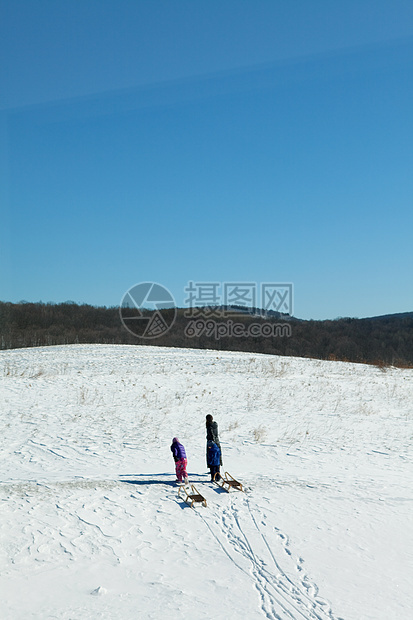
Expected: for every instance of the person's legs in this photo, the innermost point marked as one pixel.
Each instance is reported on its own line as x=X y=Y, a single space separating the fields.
x=181 y=470
x=214 y=469
x=178 y=471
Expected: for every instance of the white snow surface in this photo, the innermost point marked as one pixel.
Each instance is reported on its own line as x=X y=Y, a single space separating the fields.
x=91 y=523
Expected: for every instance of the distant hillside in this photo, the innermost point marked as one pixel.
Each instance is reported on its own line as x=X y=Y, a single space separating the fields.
x=383 y=339
x=391 y=317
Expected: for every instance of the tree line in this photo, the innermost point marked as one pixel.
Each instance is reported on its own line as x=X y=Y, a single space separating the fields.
x=386 y=340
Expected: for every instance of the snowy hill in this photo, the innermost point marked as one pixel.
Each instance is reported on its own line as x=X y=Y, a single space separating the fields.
x=91 y=522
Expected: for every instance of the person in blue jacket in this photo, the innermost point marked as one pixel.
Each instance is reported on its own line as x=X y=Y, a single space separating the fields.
x=179 y=454
x=213 y=459
x=212 y=434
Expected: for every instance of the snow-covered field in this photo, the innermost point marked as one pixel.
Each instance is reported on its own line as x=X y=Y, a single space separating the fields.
x=91 y=524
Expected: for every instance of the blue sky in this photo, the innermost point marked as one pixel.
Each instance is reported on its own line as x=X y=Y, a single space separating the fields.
x=224 y=141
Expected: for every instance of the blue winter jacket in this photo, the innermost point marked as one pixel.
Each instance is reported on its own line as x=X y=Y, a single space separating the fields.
x=178 y=450
x=213 y=454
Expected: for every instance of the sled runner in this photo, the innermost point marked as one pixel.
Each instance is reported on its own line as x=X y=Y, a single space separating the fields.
x=192 y=495
x=227 y=482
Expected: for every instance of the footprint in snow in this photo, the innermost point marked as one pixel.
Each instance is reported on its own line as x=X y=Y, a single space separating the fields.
x=300 y=561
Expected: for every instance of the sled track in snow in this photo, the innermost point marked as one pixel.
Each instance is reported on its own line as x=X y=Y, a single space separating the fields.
x=280 y=597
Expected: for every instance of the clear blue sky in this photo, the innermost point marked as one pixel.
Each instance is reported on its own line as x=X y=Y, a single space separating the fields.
x=223 y=141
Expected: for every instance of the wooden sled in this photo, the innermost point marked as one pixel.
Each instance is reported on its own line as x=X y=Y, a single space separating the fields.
x=192 y=496
x=228 y=482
